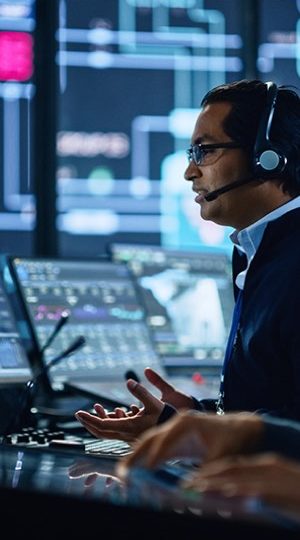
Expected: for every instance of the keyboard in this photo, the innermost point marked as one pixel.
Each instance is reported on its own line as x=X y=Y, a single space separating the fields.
x=110 y=349
x=58 y=440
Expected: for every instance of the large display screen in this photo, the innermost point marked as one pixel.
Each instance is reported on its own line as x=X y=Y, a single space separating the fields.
x=17 y=89
x=131 y=77
x=278 y=55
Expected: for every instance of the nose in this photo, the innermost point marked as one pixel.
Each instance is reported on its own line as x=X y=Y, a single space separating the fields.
x=191 y=172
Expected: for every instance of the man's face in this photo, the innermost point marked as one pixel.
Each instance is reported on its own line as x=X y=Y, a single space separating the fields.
x=219 y=168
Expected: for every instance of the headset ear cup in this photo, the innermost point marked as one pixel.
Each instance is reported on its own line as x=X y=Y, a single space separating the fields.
x=269 y=162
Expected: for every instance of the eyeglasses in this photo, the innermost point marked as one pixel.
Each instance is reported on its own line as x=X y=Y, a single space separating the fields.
x=204 y=154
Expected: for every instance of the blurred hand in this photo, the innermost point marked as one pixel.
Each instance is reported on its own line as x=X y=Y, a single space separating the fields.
x=130 y=425
x=91 y=472
x=194 y=435
x=271 y=478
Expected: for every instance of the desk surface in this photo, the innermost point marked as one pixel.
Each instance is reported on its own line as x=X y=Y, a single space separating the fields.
x=66 y=491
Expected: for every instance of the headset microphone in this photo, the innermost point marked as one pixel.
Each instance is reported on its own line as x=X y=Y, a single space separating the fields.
x=213 y=195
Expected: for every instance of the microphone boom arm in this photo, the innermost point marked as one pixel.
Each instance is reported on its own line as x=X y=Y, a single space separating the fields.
x=215 y=194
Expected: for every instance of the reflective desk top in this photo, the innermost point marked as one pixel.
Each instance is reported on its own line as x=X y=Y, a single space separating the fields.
x=63 y=489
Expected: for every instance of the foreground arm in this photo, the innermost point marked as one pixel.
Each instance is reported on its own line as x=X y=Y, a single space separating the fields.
x=273 y=479
x=209 y=436
x=195 y=435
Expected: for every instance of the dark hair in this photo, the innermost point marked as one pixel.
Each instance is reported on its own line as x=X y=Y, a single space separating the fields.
x=248 y=99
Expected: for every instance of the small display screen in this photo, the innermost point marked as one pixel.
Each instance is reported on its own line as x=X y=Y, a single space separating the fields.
x=188 y=300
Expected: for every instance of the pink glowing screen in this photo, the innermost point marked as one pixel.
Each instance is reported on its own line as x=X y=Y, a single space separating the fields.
x=16 y=56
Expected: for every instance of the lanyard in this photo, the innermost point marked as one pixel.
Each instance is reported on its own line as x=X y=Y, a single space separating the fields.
x=229 y=348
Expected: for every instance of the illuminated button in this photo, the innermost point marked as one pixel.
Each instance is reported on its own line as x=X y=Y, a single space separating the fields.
x=198 y=378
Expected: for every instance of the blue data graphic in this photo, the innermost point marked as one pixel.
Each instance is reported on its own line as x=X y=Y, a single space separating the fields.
x=132 y=75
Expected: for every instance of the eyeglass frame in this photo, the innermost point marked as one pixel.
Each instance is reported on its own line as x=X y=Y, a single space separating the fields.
x=193 y=148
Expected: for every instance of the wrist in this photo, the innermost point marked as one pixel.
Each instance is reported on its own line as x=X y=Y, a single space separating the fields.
x=167 y=413
x=250 y=432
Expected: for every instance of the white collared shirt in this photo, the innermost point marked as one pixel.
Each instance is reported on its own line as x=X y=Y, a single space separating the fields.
x=247 y=240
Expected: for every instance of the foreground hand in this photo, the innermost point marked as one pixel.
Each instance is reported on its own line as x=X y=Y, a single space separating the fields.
x=271 y=478
x=128 y=426
x=194 y=435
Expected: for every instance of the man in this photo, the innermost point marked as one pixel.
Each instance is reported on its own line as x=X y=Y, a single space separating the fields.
x=244 y=166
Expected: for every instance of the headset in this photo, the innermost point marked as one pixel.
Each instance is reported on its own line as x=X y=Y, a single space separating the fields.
x=268 y=160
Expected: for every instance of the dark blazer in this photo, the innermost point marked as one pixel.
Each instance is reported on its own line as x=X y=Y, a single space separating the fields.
x=263 y=374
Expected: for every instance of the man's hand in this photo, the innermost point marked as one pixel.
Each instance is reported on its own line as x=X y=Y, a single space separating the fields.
x=128 y=426
x=199 y=436
x=269 y=477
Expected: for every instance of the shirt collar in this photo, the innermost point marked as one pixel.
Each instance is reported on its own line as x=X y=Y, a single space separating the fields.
x=247 y=240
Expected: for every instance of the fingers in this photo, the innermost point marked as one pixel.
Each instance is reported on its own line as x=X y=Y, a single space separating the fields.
x=120 y=413
x=139 y=456
x=100 y=410
x=107 y=428
x=158 y=381
x=133 y=410
x=235 y=475
x=94 y=422
x=150 y=402
x=126 y=428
